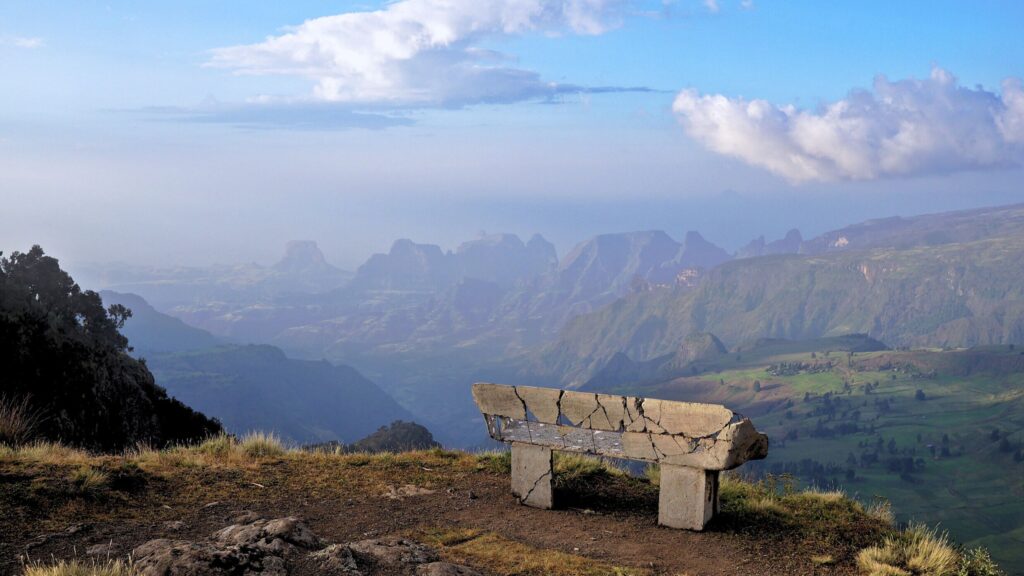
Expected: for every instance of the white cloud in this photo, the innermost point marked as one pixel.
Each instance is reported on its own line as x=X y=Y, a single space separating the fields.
x=711 y=5
x=902 y=128
x=25 y=42
x=418 y=52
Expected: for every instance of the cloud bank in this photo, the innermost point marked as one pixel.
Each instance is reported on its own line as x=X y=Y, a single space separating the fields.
x=420 y=52
x=903 y=128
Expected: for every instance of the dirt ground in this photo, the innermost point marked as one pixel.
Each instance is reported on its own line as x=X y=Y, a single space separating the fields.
x=44 y=514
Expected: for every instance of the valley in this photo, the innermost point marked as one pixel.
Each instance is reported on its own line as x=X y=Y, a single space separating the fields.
x=879 y=357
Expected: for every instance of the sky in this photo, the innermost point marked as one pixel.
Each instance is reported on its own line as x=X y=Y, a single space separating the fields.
x=202 y=131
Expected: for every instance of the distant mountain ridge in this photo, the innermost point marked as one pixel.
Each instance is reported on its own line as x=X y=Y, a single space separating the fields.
x=149 y=331
x=255 y=387
x=302 y=269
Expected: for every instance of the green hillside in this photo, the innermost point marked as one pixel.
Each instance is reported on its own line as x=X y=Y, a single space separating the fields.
x=951 y=295
x=938 y=433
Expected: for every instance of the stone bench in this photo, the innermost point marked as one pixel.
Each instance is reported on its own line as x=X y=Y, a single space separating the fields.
x=692 y=443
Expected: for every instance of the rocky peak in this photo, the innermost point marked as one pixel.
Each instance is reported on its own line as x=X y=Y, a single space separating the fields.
x=302 y=256
x=698 y=252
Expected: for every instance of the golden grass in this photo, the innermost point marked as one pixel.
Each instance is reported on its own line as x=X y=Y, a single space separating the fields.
x=42 y=452
x=916 y=550
x=88 y=479
x=262 y=445
x=503 y=557
x=822 y=559
x=81 y=568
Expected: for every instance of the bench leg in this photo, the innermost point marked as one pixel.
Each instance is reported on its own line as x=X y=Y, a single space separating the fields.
x=532 y=474
x=688 y=497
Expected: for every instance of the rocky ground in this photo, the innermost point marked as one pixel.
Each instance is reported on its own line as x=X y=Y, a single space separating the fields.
x=439 y=513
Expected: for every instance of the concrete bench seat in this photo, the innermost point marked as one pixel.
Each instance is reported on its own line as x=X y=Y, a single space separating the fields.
x=691 y=442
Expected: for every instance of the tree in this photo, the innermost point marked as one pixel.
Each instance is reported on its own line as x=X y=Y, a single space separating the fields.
x=919 y=395
x=757 y=385
x=64 y=352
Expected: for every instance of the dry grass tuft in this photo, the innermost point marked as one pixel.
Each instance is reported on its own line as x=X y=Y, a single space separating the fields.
x=42 y=452
x=262 y=445
x=81 y=568
x=87 y=479
x=881 y=510
x=220 y=446
x=18 y=421
x=822 y=560
x=916 y=550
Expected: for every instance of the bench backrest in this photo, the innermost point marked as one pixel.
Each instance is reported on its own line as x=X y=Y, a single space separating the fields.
x=705 y=436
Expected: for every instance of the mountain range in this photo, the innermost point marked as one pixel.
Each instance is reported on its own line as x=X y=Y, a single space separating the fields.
x=911 y=282
x=424 y=322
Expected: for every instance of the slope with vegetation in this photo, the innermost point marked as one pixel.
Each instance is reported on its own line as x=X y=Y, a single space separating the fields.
x=950 y=295
x=65 y=371
x=257 y=387
x=938 y=433
x=254 y=387
x=68 y=508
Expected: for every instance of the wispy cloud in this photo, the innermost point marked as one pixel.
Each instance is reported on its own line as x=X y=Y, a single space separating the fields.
x=421 y=53
x=25 y=42
x=277 y=115
x=902 y=128
x=711 y=5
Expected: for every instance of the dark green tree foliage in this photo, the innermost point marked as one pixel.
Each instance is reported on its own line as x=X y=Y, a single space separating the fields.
x=64 y=352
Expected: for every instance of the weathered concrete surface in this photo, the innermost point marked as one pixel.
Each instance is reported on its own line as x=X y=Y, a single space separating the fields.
x=684 y=433
x=543 y=403
x=532 y=474
x=688 y=497
x=499 y=400
x=692 y=442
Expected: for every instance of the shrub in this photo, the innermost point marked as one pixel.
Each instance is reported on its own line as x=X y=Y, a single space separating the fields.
x=881 y=509
x=977 y=562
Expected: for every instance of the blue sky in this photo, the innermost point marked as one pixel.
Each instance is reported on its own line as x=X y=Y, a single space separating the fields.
x=197 y=131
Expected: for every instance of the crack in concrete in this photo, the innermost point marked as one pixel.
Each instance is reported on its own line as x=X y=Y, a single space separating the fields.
x=536 y=482
x=526 y=413
x=597 y=398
